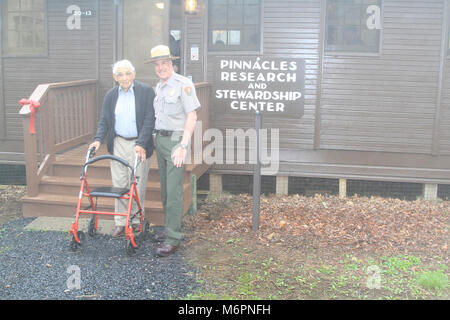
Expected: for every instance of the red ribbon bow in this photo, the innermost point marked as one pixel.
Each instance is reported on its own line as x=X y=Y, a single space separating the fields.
x=34 y=106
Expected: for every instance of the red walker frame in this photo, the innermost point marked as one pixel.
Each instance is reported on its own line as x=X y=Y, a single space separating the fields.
x=133 y=242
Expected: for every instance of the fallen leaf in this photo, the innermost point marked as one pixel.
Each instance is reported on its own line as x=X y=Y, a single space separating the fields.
x=282 y=223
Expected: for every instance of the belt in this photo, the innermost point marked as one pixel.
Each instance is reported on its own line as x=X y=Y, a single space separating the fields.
x=127 y=138
x=164 y=133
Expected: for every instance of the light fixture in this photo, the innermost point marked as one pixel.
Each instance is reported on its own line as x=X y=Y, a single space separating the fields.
x=190 y=6
x=160 y=5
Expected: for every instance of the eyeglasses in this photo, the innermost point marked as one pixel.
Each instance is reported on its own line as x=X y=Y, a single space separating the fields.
x=127 y=74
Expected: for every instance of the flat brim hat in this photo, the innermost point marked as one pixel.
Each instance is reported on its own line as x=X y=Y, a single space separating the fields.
x=160 y=52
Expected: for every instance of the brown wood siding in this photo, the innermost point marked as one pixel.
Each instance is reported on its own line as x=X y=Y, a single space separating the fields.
x=444 y=126
x=386 y=103
x=2 y=101
x=195 y=37
x=290 y=29
x=72 y=55
x=444 y=120
x=106 y=48
x=364 y=115
x=2 y=109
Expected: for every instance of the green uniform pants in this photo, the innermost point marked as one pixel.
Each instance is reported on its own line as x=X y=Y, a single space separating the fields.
x=172 y=194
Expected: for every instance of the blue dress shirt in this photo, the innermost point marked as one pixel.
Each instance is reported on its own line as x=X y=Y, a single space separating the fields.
x=125 y=113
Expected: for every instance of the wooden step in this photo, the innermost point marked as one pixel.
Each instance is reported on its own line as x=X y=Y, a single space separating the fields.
x=59 y=205
x=58 y=191
x=101 y=170
x=71 y=186
x=74 y=158
x=53 y=205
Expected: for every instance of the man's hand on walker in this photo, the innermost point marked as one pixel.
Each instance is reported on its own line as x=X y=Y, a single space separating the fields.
x=140 y=152
x=95 y=144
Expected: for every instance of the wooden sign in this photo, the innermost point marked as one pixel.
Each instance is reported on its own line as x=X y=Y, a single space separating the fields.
x=246 y=84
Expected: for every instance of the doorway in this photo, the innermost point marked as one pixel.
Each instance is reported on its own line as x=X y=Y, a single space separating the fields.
x=176 y=33
x=147 y=23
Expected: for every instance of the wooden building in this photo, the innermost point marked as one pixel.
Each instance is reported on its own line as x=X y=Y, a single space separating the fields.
x=374 y=75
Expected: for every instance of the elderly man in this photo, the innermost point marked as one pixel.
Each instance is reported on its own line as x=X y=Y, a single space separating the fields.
x=128 y=120
x=175 y=107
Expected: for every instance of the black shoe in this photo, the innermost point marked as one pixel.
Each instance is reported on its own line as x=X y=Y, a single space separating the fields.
x=165 y=250
x=136 y=227
x=159 y=237
x=118 y=232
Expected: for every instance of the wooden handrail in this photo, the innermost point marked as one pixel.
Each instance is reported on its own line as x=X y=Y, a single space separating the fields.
x=66 y=118
x=37 y=95
x=42 y=89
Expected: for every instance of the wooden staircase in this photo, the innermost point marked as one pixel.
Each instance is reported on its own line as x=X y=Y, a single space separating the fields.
x=59 y=189
x=65 y=125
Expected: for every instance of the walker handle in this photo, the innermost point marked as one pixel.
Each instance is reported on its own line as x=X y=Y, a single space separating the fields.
x=91 y=152
x=89 y=155
x=136 y=161
x=106 y=157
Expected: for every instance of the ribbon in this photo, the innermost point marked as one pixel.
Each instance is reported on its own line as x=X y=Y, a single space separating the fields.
x=34 y=106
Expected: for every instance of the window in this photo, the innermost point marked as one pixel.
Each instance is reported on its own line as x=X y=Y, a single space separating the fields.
x=234 y=25
x=353 y=25
x=24 y=27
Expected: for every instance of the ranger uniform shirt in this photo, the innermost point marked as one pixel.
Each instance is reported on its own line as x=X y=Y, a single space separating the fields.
x=174 y=100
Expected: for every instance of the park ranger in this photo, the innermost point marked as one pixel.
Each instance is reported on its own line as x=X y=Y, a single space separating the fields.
x=175 y=109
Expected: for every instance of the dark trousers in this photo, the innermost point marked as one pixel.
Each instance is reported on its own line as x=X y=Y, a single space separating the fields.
x=172 y=194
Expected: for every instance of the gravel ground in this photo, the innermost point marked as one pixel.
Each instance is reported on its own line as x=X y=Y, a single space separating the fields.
x=40 y=265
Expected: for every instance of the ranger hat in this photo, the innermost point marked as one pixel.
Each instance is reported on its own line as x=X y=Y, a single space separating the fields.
x=160 y=52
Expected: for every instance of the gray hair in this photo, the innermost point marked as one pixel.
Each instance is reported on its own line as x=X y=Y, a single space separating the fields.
x=123 y=63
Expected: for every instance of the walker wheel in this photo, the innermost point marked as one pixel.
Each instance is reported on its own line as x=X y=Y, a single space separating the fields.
x=81 y=236
x=145 y=229
x=130 y=249
x=139 y=239
x=91 y=227
x=74 y=245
